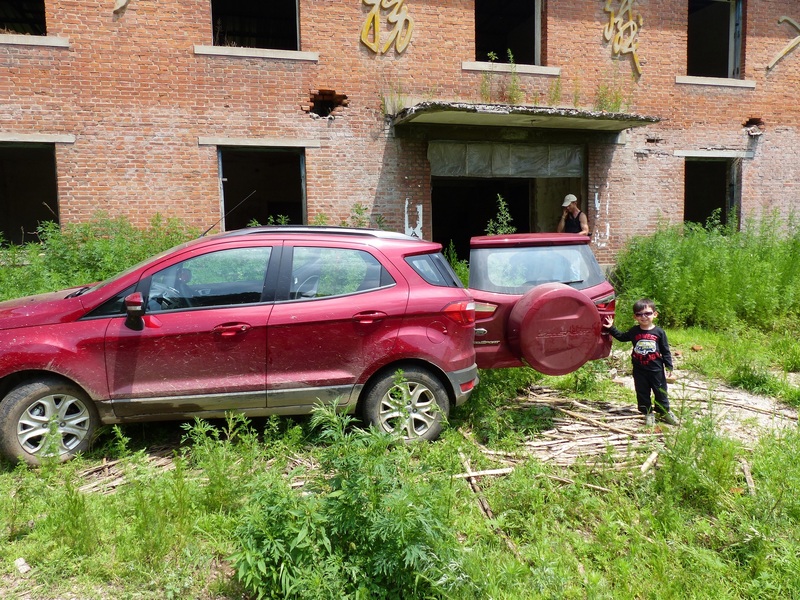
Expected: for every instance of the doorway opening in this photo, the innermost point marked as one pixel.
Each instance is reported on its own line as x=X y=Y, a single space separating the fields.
x=711 y=187
x=262 y=185
x=28 y=190
x=462 y=207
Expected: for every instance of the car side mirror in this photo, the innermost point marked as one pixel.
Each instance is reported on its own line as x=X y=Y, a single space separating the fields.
x=134 y=309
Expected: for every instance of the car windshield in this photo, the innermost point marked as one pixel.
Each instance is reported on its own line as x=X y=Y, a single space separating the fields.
x=517 y=270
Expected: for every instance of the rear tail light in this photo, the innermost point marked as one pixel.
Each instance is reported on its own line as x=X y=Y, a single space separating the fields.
x=465 y=387
x=606 y=303
x=462 y=313
x=484 y=310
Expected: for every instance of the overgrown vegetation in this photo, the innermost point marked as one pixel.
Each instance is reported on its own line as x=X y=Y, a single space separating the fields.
x=502 y=223
x=716 y=277
x=80 y=253
x=321 y=509
x=554 y=92
x=318 y=508
x=512 y=93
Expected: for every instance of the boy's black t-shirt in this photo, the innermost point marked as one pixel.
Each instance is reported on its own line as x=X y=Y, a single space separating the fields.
x=650 y=347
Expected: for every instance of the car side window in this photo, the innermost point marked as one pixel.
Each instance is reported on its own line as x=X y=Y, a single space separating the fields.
x=113 y=307
x=323 y=272
x=223 y=278
x=434 y=269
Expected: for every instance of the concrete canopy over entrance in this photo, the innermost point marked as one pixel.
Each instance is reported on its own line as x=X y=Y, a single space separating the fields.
x=503 y=115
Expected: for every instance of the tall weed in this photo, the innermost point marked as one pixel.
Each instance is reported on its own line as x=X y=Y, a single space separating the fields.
x=714 y=276
x=369 y=523
x=81 y=253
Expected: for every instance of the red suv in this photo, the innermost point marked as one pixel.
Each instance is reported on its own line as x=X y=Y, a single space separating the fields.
x=540 y=299
x=261 y=321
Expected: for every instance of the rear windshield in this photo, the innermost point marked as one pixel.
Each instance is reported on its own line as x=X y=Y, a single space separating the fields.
x=434 y=269
x=517 y=270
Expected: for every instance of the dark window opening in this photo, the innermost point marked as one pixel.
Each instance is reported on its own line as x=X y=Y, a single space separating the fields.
x=273 y=25
x=325 y=103
x=262 y=185
x=28 y=190
x=510 y=25
x=22 y=17
x=714 y=38
x=711 y=189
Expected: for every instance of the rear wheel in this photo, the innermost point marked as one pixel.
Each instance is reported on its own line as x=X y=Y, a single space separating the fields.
x=46 y=418
x=412 y=404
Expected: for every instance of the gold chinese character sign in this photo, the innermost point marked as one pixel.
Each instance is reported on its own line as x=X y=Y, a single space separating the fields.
x=401 y=25
x=622 y=30
x=790 y=46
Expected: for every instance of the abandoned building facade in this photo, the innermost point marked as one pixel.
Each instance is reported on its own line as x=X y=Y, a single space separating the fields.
x=416 y=114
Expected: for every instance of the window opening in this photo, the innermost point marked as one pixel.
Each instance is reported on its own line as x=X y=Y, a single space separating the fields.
x=22 y=17
x=511 y=25
x=28 y=190
x=711 y=187
x=715 y=38
x=324 y=103
x=273 y=25
x=276 y=175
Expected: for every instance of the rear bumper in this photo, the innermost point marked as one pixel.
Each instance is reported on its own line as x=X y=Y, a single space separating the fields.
x=463 y=382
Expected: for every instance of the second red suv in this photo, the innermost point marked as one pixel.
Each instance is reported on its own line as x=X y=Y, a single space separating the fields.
x=274 y=320
x=540 y=299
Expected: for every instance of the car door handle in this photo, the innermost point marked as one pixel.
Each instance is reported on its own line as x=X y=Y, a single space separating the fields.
x=369 y=316
x=231 y=329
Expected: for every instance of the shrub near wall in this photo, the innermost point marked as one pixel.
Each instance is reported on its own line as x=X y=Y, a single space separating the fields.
x=82 y=253
x=714 y=276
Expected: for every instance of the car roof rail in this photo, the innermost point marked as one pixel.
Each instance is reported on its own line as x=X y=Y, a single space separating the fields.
x=316 y=229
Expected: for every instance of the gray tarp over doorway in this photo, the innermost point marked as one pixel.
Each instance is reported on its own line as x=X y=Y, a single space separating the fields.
x=490 y=159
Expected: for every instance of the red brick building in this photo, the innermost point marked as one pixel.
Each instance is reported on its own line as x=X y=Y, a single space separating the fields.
x=410 y=109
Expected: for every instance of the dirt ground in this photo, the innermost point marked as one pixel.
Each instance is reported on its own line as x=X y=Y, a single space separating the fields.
x=614 y=431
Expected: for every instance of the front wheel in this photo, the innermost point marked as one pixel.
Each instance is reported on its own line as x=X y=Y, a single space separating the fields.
x=46 y=418
x=412 y=403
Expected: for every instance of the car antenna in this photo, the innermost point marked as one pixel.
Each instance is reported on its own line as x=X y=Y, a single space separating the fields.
x=245 y=199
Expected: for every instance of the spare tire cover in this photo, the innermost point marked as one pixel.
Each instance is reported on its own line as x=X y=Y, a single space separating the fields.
x=555 y=328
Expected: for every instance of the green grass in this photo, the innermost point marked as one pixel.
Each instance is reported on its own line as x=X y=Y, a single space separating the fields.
x=378 y=519
x=714 y=276
x=317 y=508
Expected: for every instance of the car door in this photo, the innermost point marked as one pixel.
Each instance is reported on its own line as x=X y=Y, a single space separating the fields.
x=338 y=318
x=202 y=341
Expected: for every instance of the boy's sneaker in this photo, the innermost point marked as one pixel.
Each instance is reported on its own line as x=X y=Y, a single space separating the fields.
x=669 y=418
x=650 y=420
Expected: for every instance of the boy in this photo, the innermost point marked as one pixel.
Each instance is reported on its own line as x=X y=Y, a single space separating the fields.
x=649 y=357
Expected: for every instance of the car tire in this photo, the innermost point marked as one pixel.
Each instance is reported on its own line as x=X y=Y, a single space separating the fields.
x=32 y=409
x=555 y=328
x=413 y=405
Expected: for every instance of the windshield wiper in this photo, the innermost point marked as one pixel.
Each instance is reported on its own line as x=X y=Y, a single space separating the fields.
x=83 y=290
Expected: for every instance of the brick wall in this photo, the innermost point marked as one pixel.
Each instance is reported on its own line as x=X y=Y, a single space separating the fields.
x=136 y=97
